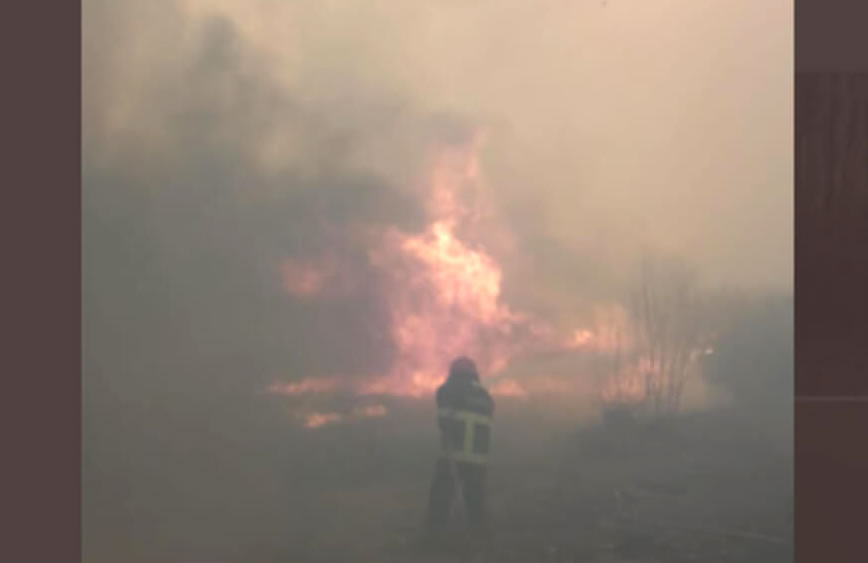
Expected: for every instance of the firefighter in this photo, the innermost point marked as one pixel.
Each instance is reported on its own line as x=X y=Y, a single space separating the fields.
x=465 y=411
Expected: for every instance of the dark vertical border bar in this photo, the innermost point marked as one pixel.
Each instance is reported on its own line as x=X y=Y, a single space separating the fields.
x=41 y=273
x=832 y=233
x=830 y=36
x=831 y=194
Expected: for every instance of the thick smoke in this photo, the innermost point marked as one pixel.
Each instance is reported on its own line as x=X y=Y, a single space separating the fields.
x=222 y=139
x=242 y=158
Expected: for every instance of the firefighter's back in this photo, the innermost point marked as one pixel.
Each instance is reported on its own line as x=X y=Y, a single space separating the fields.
x=465 y=412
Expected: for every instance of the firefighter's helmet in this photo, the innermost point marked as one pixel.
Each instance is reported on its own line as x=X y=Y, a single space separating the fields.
x=463 y=368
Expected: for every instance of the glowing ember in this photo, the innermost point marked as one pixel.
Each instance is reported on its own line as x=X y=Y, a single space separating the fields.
x=580 y=338
x=309 y=385
x=370 y=411
x=318 y=420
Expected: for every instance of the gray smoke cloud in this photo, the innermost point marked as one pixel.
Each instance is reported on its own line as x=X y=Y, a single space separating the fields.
x=221 y=138
x=237 y=132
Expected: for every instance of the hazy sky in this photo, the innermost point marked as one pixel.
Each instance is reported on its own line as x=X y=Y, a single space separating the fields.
x=664 y=123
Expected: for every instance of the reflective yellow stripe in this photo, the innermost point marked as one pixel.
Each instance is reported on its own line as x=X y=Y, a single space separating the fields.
x=466 y=454
x=465 y=416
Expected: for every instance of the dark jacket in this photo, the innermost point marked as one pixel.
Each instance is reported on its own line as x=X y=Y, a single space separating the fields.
x=465 y=411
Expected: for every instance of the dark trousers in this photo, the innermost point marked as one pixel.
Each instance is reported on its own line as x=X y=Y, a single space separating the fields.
x=444 y=488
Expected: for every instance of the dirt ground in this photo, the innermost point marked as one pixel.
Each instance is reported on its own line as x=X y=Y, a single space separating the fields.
x=706 y=487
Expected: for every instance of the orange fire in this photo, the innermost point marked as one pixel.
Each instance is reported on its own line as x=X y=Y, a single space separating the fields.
x=580 y=338
x=309 y=385
x=445 y=293
x=370 y=411
x=444 y=296
x=318 y=419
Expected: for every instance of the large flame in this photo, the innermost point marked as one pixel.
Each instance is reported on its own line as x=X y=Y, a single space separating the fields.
x=443 y=295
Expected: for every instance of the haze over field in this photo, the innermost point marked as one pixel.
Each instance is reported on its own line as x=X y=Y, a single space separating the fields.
x=296 y=213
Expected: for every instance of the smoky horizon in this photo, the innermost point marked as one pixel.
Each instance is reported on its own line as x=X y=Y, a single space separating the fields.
x=297 y=214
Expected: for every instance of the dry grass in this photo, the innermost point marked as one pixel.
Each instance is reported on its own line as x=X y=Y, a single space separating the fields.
x=693 y=489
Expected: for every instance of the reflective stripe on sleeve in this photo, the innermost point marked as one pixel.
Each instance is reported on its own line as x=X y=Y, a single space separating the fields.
x=465 y=416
